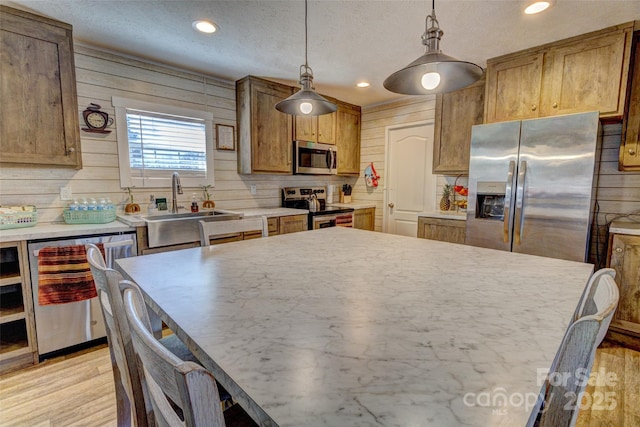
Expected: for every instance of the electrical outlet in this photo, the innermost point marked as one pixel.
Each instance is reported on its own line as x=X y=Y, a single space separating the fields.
x=253 y=189
x=66 y=193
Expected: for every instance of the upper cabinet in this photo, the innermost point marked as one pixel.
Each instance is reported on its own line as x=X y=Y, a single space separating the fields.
x=265 y=135
x=583 y=73
x=630 y=146
x=40 y=123
x=456 y=113
x=348 y=138
x=320 y=129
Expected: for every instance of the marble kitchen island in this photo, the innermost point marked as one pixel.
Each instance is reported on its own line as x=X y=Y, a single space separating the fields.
x=345 y=327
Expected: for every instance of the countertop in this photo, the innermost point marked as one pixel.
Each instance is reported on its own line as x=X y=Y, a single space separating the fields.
x=47 y=231
x=445 y=215
x=391 y=337
x=269 y=212
x=356 y=205
x=621 y=227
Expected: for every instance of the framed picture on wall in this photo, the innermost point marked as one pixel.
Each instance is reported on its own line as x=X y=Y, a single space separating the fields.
x=225 y=137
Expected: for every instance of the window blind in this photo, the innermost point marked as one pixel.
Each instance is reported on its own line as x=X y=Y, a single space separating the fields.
x=161 y=142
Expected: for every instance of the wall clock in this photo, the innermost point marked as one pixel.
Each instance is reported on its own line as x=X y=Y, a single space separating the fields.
x=95 y=119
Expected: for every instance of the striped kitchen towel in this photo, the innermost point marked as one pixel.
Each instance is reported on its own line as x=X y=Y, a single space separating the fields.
x=64 y=275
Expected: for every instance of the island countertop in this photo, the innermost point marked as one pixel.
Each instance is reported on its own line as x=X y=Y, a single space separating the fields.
x=399 y=331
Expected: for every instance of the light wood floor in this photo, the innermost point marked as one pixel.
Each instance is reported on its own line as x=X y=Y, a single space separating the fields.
x=77 y=390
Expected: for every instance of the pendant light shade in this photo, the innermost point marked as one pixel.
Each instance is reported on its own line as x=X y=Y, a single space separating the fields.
x=433 y=72
x=306 y=102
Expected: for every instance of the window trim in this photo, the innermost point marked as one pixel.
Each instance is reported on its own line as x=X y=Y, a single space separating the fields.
x=126 y=179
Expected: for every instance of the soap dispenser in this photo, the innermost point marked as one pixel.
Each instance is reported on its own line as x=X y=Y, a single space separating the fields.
x=194 y=203
x=152 y=209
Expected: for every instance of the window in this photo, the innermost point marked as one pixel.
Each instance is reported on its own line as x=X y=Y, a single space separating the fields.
x=158 y=140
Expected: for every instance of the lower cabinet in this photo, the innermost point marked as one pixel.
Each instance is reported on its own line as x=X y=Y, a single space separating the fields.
x=445 y=230
x=293 y=224
x=624 y=257
x=18 y=347
x=364 y=219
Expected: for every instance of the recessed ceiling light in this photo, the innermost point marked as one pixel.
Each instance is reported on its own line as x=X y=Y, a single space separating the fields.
x=205 y=26
x=537 y=7
x=363 y=84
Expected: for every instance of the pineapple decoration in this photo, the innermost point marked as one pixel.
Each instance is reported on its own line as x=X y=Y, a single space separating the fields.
x=445 y=203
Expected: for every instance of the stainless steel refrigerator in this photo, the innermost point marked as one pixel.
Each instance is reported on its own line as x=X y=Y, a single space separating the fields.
x=532 y=185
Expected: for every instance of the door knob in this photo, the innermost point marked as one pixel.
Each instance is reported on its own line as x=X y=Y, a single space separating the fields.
x=391 y=205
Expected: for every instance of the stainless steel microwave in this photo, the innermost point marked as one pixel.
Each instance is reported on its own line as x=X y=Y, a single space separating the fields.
x=312 y=158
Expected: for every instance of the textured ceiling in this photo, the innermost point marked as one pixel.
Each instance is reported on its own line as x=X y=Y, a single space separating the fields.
x=349 y=40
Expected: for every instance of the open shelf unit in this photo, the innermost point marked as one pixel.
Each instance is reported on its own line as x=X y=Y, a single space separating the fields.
x=17 y=328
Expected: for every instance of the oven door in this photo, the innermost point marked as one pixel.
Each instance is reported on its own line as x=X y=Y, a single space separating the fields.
x=332 y=220
x=315 y=159
x=323 y=221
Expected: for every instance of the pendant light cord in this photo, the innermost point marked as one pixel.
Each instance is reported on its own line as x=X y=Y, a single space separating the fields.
x=305 y=35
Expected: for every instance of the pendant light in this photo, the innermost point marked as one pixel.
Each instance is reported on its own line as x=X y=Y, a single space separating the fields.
x=306 y=102
x=433 y=72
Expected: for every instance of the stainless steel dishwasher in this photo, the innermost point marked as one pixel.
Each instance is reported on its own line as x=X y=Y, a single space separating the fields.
x=59 y=326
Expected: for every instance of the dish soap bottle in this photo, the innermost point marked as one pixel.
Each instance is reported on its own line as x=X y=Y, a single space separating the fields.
x=194 y=203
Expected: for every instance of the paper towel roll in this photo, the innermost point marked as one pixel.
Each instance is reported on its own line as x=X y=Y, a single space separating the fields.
x=330 y=189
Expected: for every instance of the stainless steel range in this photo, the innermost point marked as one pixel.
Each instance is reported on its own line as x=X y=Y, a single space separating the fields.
x=324 y=216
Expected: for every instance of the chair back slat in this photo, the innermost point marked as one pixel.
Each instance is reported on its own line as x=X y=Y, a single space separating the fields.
x=572 y=365
x=209 y=229
x=171 y=380
x=129 y=388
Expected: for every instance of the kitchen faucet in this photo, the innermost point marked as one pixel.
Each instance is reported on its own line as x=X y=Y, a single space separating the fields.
x=176 y=189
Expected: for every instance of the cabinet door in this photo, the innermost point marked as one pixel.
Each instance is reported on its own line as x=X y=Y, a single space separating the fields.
x=348 y=139
x=327 y=128
x=271 y=140
x=445 y=230
x=456 y=112
x=364 y=219
x=306 y=128
x=625 y=259
x=630 y=147
x=40 y=123
x=293 y=223
x=265 y=134
x=588 y=75
x=513 y=88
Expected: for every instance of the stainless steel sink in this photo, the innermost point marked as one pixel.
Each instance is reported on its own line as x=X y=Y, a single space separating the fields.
x=175 y=229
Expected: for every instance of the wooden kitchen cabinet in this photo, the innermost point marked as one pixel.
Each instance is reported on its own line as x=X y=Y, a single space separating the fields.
x=320 y=129
x=583 y=73
x=445 y=230
x=293 y=224
x=364 y=219
x=630 y=146
x=39 y=113
x=624 y=257
x=456 y=113
x=265 y=135
x=18 y=347
x=348 y=138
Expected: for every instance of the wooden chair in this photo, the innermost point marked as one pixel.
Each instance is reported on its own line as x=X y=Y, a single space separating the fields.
x=170 y=381
x=561 y=394
x=131 y=405
x=209 y=229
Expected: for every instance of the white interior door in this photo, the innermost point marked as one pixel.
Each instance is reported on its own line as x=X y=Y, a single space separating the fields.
x=411 y=185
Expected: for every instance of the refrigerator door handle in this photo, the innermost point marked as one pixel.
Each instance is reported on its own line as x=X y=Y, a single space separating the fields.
x=507 y=221
x=522 y=173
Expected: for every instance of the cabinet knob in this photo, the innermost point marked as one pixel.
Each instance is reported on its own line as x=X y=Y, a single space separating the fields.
x=71 y=150
x=533 y=107
x=618 y=250
x=391 y=205
x=555 y=105
x=632 y=151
